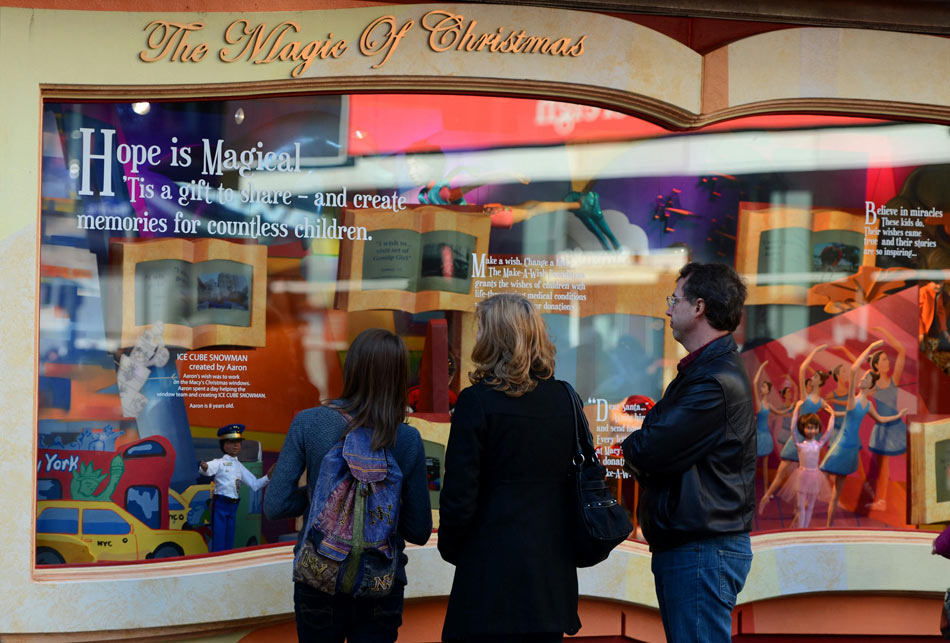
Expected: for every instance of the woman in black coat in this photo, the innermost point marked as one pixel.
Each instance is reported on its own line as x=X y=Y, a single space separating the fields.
x=506 y=501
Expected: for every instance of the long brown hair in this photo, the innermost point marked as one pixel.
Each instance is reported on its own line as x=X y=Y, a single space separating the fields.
x=375 y=393
x=512 y=351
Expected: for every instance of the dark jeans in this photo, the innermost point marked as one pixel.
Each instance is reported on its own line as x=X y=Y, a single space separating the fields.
x=333 y=618
x=697 y=585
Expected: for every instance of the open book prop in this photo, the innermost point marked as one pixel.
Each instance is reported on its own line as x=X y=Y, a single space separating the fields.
x=416 y=260
x=784 y=251
x=206 y=292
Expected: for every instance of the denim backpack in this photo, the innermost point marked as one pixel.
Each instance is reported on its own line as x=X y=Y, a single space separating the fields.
x=348 y=545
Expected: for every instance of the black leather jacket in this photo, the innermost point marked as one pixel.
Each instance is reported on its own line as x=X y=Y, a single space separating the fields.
x=695 y=455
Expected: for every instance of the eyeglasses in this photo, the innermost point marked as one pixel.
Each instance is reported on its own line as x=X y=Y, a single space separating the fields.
x=672 y=299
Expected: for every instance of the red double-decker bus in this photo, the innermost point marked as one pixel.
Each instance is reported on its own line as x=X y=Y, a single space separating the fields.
x=135 y=476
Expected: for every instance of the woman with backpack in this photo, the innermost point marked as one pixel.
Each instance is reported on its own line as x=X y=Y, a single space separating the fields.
x=338 y=592
x=506 y=505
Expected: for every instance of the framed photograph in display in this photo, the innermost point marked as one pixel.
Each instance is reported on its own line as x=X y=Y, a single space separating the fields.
x=928 y=467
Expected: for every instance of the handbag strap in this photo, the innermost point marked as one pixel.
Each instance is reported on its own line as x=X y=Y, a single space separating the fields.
x=579 y=452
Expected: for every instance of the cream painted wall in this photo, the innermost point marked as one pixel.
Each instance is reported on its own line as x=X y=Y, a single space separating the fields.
x=839 y=64
x=100 y=50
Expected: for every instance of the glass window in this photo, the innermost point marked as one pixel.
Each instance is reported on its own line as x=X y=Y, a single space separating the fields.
x=199 y=509
x=143 y=502
x=104 y=522
x=58 y=520
x=255 y=238
x=47 y=489
x=173 y=504
x=435 y=453
x=145 y=449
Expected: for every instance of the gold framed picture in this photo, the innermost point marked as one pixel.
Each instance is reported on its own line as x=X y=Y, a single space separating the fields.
x=928 y=467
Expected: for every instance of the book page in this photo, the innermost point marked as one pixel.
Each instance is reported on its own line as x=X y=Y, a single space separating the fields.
x=446 y=261
x=391 y=260
x=163 y=292
x=222 y=293
x=837 y=251
x=785 y=250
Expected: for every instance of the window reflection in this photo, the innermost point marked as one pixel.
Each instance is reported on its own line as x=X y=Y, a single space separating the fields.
x=337 y=213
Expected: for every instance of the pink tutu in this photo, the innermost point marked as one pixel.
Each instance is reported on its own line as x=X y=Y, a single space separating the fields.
x=807 y=481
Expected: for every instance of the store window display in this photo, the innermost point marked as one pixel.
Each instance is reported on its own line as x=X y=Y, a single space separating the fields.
x=208 y=260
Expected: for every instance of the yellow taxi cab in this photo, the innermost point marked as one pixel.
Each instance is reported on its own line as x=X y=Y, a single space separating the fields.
x=76 y=531
x=177 y=510
x=197 y=502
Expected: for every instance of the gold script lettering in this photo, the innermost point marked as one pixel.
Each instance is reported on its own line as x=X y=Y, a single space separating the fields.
x=369 y=46
x=257 y=40
x=276 y=53
x=252 y=35
x=449 y=30
x=444 y=33
x=172 y=37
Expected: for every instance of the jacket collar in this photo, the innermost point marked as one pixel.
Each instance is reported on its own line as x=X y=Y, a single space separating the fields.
x=712 y=350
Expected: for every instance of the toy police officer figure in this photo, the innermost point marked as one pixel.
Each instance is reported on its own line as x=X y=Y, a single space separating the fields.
x=228 y=473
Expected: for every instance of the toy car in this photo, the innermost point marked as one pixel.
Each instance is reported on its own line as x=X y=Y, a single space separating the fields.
x=75 y=531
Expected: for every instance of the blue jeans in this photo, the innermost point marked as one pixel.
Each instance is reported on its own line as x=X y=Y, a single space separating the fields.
x=331 y=618
x=697 y=585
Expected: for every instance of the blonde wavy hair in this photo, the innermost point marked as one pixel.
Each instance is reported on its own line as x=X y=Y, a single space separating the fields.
x=512 y=350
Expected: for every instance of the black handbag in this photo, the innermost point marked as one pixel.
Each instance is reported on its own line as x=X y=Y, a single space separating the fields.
x=601 y=522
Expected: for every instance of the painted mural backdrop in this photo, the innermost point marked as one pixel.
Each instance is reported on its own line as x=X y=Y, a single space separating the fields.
x=207 y=263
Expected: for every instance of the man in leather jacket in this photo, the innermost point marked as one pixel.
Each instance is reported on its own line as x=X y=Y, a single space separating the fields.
x=694 y=458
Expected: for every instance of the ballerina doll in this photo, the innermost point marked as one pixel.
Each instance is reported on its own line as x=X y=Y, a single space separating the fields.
x=838 y=398
x=789 y=394
x=842 y=459
x=887 y=438
x=763 y=437
x=811 y=402
x=807 y=484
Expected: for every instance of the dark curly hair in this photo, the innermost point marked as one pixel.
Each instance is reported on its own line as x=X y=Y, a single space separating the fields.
x=720 y=287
